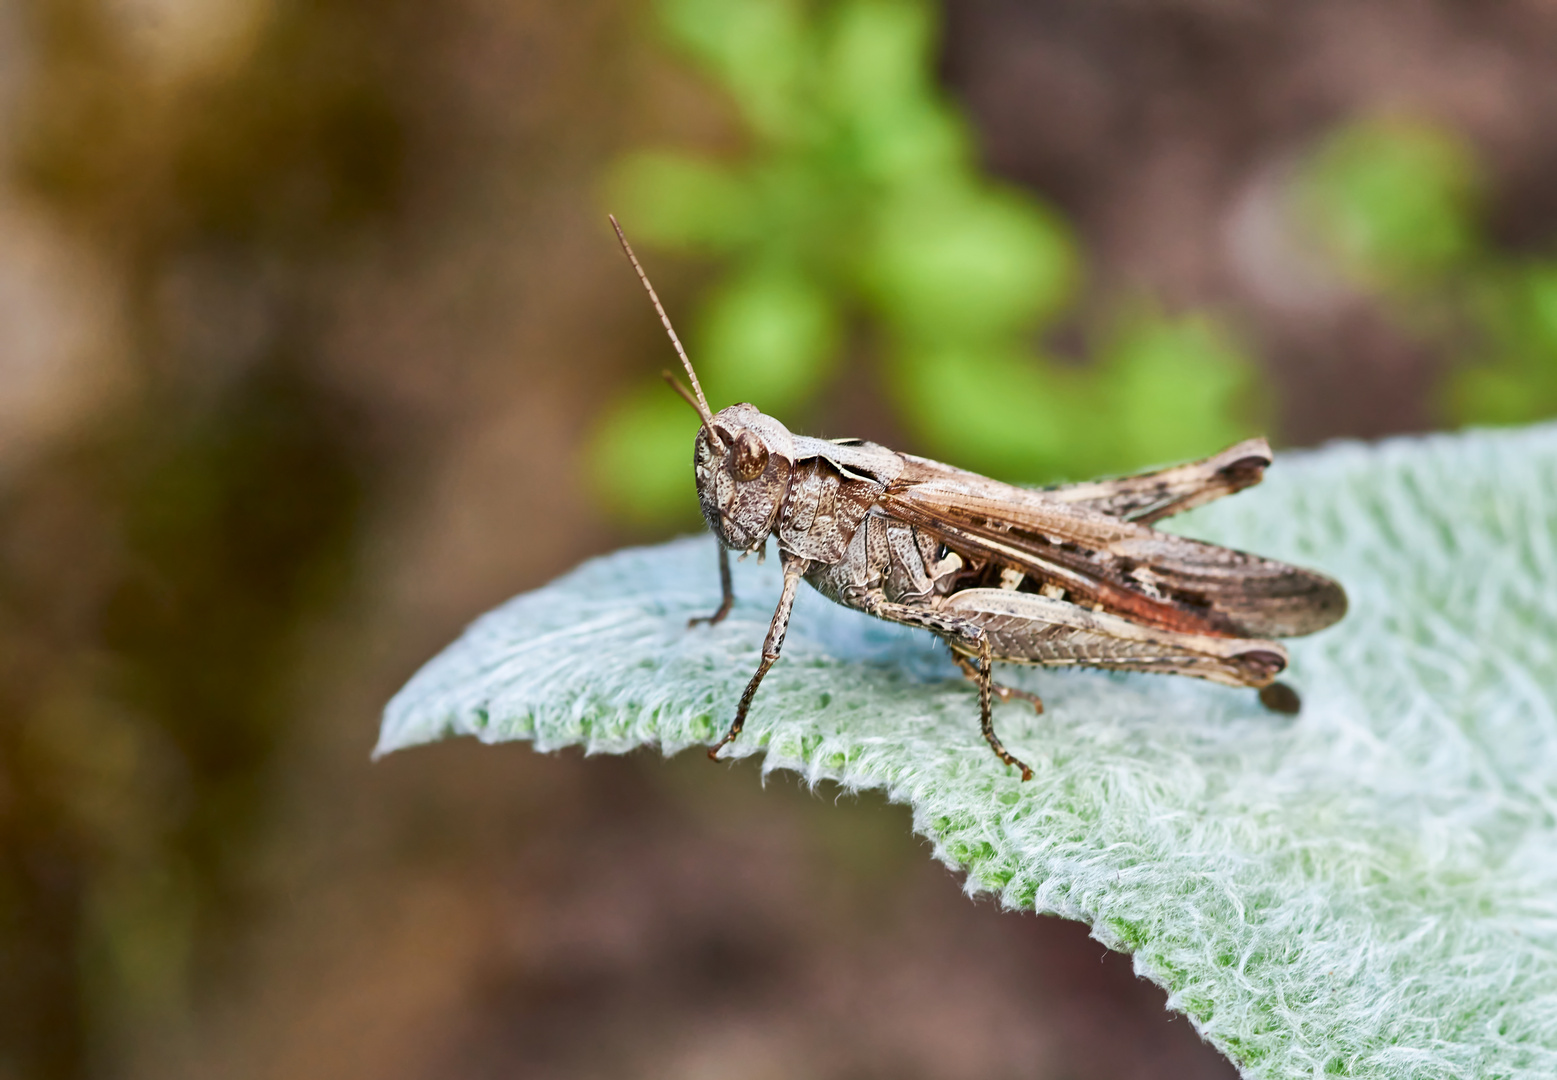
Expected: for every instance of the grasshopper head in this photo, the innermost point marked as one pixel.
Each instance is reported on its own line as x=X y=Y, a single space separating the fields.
x=743 y=458
x=743 y=462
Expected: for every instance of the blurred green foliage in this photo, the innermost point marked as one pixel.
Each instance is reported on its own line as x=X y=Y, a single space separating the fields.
x=857 y=213
x=1514 y=378
x=1397 y=205
x=1394 y=201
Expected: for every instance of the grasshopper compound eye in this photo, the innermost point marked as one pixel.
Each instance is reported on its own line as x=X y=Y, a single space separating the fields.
x=751 y=457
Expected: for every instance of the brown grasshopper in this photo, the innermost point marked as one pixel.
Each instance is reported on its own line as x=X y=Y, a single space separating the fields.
x=1071 y=575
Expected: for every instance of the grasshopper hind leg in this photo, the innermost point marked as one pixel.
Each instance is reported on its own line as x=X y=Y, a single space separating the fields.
x=1281 y=698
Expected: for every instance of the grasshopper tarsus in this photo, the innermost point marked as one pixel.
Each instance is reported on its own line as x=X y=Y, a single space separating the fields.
x=740 y=715
x=1281 y=698
x=745 y=705
x=726 y=594
x=716 y=618
x=1005 y=755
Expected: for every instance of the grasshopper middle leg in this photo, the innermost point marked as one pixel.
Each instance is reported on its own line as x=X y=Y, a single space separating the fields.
x=1003 y=692
x=970 y=645
x=986 y=714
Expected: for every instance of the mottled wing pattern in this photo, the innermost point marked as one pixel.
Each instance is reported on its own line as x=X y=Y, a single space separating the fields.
x=1156 y=578
x=1148 y=497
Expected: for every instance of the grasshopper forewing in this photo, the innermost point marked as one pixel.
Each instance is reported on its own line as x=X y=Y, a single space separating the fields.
x=1072 y=575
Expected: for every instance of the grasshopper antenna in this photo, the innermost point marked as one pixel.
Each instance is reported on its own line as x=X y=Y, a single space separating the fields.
x=676 y=385
x=701 y=403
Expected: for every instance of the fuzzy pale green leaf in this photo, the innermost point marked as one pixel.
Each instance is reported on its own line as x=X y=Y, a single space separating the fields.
x=1367 y=890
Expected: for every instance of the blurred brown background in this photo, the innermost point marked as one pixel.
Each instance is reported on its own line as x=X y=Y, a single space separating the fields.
x=305 y=312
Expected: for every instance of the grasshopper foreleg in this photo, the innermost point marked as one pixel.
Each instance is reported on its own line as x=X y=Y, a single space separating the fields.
x=968 y=640
x=727 y=592
x=794 y=567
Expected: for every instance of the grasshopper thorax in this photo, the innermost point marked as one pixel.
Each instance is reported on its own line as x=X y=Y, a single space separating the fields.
x=743 y=462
